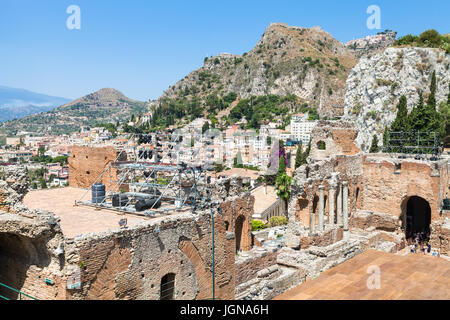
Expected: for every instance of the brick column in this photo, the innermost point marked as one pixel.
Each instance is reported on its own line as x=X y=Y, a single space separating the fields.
x=339 y=206
x=345 y=205
x=321 y=207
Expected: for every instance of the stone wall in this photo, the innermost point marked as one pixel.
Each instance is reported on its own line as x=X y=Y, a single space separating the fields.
x=338 y=137
x=237 y=214
x=131 y=263
x=388 y=184
x=248 y=264
x=86 y=164
x=28 y=257
x=440 y=236
x=332 y=234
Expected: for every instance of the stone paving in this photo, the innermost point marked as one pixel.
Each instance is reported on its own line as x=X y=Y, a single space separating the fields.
x=403 y=277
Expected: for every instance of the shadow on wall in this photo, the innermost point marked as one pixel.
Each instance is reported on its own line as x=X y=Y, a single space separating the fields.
x=17 y=254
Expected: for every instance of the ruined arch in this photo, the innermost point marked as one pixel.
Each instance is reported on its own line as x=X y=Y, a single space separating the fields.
x=19 y=253
x=357 y=206
x=238 y=230
x=415 y=216
x=321 y=145
x=301 y=210
x=167 y=287
x=315 y=204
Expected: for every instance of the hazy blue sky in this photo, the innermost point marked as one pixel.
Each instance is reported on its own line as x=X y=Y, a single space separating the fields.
x=140 y=47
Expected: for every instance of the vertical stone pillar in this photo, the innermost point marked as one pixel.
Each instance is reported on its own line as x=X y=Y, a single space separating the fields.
x=321 y=207
x=345 y=205
x=312 y=218
x=339 y=206
x=331 y=193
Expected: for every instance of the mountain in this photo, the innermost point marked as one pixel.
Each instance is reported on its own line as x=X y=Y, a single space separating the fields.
x=376 y=84
x=305 y=62
x=105 y=105
x=18 y=103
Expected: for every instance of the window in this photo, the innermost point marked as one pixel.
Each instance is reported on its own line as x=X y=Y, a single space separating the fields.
x=167 y=287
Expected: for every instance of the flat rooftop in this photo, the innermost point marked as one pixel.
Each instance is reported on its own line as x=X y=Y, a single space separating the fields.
x=403 y=277
x=76 y=220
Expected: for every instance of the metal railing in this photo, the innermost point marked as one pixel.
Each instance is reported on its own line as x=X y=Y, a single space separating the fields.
x=20 y=293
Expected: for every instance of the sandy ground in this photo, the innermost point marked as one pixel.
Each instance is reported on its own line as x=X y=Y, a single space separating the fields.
x=77 y=220
x=402 y=277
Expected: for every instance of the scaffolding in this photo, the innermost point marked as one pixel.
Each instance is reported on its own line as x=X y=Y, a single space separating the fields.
x=413 y=143
x=152 y=183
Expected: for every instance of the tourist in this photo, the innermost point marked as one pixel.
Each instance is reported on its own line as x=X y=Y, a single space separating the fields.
x=412 y=248
x=434 y=253
x=428 y=247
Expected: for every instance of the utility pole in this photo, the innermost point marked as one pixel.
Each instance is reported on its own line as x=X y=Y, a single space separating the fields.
x=212 y=235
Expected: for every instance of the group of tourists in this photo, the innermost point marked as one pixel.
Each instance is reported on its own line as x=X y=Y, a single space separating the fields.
x=420 y=242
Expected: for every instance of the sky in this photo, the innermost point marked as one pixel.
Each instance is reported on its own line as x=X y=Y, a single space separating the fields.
x=141 y=47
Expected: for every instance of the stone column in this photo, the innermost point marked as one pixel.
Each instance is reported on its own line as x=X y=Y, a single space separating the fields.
x=331 y=193
x=321 y=207
x=312 y=218
x=345 y=205
x=339 y=206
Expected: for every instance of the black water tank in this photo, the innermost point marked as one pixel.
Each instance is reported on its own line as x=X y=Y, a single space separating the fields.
x=98 y=192
x=142 y=205
x=119 y=200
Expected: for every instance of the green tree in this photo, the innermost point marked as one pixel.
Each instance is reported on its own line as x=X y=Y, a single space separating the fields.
x=299 y=156
x=281 y=166
x=431 y=102
x=401 y=120
x=43 y=183
x=205 y=127
x=374 y=147
x=430 y=37
x=283 y=187
x=41 y=150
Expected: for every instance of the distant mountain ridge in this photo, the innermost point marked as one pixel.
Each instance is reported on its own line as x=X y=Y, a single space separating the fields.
x=104 y=105
x=17 y=103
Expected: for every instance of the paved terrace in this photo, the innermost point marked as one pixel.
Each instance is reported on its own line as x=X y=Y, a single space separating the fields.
x=76 y=220
x=403 y=277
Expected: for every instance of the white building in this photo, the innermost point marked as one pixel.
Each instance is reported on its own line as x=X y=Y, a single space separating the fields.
x=301 y=127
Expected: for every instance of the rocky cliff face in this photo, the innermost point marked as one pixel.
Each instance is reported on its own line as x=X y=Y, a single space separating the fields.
x=376 y=83
x=306 y=62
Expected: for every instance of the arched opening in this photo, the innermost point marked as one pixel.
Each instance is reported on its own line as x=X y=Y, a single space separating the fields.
x=357 y=198
x=17 y=254
x=321 y=145
x=239 y=226
x=416 y=217
x=301 y=210
x=227 y=225
x=315 y=204
x=167 y=287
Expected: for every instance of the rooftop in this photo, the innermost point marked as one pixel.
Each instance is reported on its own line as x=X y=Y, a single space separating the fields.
x=76 y=220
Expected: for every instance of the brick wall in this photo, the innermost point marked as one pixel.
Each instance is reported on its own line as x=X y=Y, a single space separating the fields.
x=387 y=189
x=86 y=164
x=129 y=264
x=247 y=268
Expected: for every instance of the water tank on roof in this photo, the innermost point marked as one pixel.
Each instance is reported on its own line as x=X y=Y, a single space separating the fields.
x=98 y=192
